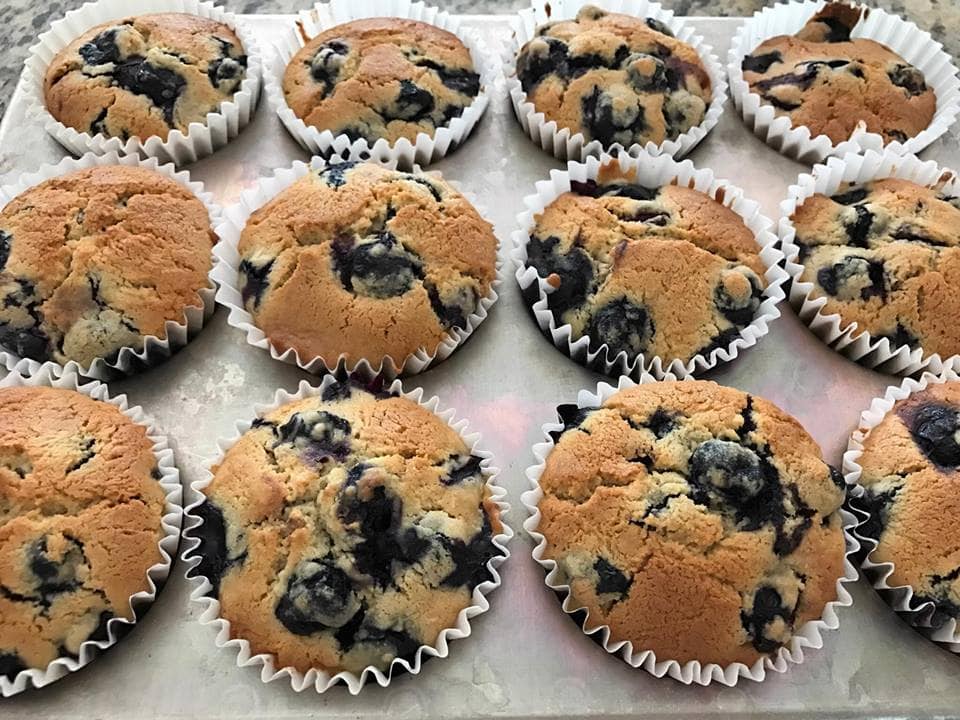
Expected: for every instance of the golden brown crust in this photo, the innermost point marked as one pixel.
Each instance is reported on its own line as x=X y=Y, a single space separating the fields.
x=823 y=80
x=886 y=255
x=97 y=259
x=912 y=490
x=615 y=78
x=145 y=75
x=381 y=78
x=354 y=530
x=80 y=520
x=364 y=262
x=695 y=520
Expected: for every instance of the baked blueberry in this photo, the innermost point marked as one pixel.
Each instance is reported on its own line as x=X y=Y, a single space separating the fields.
x=381 y=78
x=622 y=326
x=365 y=557
x=145 y=75
x=692 y=520
x=853 y=277
x=935 y=429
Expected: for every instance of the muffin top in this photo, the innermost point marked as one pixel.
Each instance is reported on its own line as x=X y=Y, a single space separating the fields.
x=886 y=255
x=912 y=492
x=145 y=75
x=80 y=522
x=381 y=78
x=615 y=78
x=822 y=79
x=692 y=519
x=667 y=272
x=345 y=530
x=361 y=262
x=95 y=260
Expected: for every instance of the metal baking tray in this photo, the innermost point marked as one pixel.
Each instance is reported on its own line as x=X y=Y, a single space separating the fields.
x=525 y=658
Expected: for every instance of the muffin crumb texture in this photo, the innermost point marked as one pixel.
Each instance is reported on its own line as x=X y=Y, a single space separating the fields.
x=667 y=272
x=145 y=76
x=694 y=520
x=615 y=78
x=346 y=530
x=355 y=261
x=80 y=522
x=95 y=260
x=826 y=80
x=381 y=78
x=910 y=484
x=886 y=256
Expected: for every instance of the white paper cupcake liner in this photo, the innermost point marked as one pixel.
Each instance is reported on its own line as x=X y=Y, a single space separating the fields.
x=561 y=142
x=845 y=337
x=200 y=140
x=50 y=376
x=653 y=172
x=808 y=636
x=903 y=37
x=153 y=349
x=899 y=597
x=320 y=680
x=426 y=148
x=227 y=271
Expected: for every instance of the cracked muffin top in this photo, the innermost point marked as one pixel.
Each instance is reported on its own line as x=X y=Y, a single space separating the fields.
x=145 y=75
x=346 y=530
x=93 y=261
x=615 y=78
x=381 y=78
x=823 y=79
x=886 y=255
x=355 y=261
x=80 y=522
x=667 y=272
x=910 y=482
x=692 y=519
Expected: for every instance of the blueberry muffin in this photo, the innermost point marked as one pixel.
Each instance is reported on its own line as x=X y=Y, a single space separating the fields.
x=93 y=261
x=615 y=78
x=381 y=78
x=822 y=79
x=359 y=262
x=886 y=255
x=910 y=482
x=145 y=75
x=667 y=272
x=345 y=530
x=80 y=522
x=694 y=520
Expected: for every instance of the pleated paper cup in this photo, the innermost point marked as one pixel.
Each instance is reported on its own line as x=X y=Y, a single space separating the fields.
x=903 y=37
x=807 y=637
x=846 y=337
x=152 y=349
x=201 y=139
x=917 y=613
x=426 y=148
x=321 y=680
x=650 y=171
x=227 y=273
x=562 y=142
x=52 y=376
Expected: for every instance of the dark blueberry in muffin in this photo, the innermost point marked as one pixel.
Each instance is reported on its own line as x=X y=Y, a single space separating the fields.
x=837 y=31
x=102 y=49
x=381 y=269
x=54 y=575
x=572 y=418
x=162 y=85
x=466 y=82
x=606 y=121
x=319 y=595
x=853 y=277
x=212 y=552
x=318 y=435
x=859 y=229
x=908 y=78
x=463 y=468
x=335 y=175
x=658 y=26
x=851 y=196
x=413 y=103
x=11 y=664
x=226 y=71
x=934 y=430
x=768 y=608
x=5 y=240
x=254 y=280
x=661 y=423
x=532 y=67
x=761 y=63
x=574 y=268
x=727 y=468
x=325 y=65
x=610 y=579
x=739 y=310
x=591 y=188
x=622 y=326
x=837 y=478
x=451 y=311
x=470 y=559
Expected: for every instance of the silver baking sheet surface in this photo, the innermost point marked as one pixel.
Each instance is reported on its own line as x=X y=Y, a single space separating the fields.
x=525 y=657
